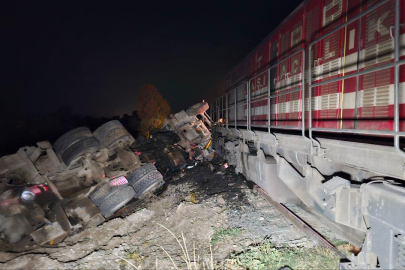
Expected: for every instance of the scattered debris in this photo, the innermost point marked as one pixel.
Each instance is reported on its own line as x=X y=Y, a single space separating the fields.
x=137 y=237
x=212 y=168
x=209 y=210
x=220 y=200
x=192 y=127
x=49 y=191
x=192 y=197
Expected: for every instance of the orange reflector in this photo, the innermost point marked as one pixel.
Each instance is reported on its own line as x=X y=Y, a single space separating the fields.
x=208 y=144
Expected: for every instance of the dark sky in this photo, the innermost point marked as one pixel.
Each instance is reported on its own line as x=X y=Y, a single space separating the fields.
x=93 y=56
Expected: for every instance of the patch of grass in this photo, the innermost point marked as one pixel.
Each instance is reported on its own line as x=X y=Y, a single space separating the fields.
x=267 y=256
x=191 y=260
x=339 y=242
x=221 y=234
x=138 y=258
x=193 y=198
x=346 y=248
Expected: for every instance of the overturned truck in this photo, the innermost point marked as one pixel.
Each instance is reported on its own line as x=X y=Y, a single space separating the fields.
x=49 y=191
x=315 y=115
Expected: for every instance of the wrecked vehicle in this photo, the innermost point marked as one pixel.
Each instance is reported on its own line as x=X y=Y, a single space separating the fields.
x=184 y=137
x=193 y=128
x=163 y=151
x=47 y=191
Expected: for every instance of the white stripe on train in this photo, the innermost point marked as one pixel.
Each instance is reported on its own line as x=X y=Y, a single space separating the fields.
x=330 y=101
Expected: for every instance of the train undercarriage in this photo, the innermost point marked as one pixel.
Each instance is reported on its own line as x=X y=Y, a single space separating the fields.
x=358 y=186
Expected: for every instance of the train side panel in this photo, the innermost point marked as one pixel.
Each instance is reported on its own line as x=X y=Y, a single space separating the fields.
x=362 y=103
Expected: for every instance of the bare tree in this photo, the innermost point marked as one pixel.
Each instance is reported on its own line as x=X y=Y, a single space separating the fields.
x=152 y=109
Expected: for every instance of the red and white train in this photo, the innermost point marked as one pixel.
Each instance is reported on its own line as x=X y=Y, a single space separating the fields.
x=315 y=115
x=365 y=102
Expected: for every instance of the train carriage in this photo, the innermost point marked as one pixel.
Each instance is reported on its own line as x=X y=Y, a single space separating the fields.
x=360 y=103
x=318 y=108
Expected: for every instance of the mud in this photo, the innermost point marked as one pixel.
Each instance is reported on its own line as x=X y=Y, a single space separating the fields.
x=196 y=204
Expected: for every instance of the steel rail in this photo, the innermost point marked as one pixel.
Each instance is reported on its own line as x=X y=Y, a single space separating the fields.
x=300 y=224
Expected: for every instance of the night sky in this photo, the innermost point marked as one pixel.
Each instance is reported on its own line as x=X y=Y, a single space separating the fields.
x=94 y=56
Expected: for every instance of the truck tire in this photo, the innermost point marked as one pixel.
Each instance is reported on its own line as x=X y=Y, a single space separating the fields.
x=148 y=183
x=116 y=200
x=85 y=145
x=69 y=138
x=115 y=136
x=140 y=173
x=111 y=133
x=104 y=128
x=198 y=108
x=98 y=196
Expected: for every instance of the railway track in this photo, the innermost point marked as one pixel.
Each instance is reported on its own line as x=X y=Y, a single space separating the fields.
x=313 y=233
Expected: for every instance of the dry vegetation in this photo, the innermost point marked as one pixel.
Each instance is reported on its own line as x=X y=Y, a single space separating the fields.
x=261 y=256
x=188 y=227
x=266 y=256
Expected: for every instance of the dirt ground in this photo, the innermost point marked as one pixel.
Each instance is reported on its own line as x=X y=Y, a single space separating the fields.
x=209 y=213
